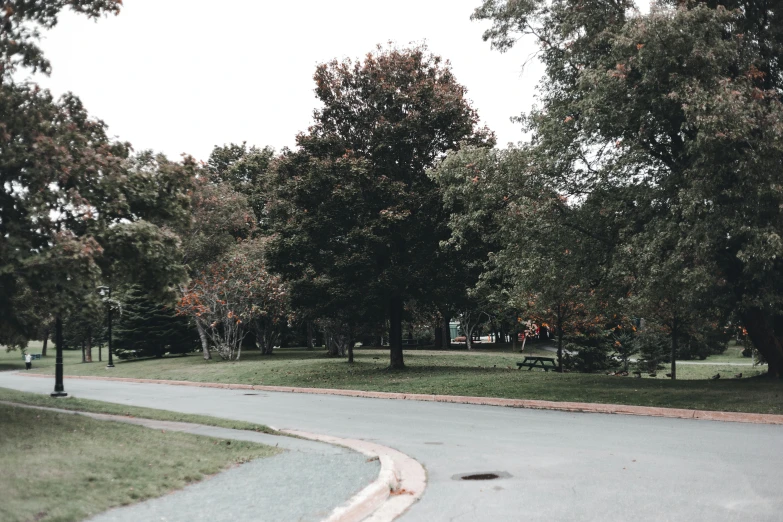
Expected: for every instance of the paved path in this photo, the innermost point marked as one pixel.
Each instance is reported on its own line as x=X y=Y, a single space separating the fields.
x=562 y=466
x=285 y=487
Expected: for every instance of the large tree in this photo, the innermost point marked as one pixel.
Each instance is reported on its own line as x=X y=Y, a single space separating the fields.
x=676 y=115
x=75 y=209
x=395 y=113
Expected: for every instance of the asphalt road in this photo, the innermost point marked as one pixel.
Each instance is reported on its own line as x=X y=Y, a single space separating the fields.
x=562 y=466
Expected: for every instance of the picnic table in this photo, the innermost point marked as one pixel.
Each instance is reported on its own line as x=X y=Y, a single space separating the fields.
x=537 y=362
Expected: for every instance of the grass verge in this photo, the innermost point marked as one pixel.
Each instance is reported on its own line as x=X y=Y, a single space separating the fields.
x=459 y=373
x=59 y=467
x=75 y=404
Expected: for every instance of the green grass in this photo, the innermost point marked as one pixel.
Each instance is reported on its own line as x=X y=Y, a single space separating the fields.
x=59 y=467
x=492 y=374
x=706 y=371
x=73 y=403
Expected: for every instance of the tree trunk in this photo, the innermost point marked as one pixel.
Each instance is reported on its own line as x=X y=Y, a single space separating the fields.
x=560 y=350
x=469 y=337
x=762 y=335
x=204 y=342
x=89 y=345
x=674 y=349
x=350 y=344
x=514 y=338
x=446 y=332
x=45 y=342
x=310 y=335
x=396 y=361
x=84 y=352
x=559 y=341
x=438 y=336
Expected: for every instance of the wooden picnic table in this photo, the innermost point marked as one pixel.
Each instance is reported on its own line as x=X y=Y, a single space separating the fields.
x=537 y=362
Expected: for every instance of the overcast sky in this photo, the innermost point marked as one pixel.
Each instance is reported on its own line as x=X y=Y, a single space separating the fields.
x=180 y=76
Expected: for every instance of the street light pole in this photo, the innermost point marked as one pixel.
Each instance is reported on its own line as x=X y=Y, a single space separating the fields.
x=107 y=289
x=59 y=389
x=111 y=361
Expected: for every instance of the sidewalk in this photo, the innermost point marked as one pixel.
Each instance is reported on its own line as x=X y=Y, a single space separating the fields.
x=306 y=482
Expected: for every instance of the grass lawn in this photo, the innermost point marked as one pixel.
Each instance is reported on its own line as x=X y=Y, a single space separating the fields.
x=485 y=374
x=59 y=467
x=73 y=403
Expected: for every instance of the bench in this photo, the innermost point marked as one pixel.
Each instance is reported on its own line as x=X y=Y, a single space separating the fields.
x=34 y=356
x=537 y=362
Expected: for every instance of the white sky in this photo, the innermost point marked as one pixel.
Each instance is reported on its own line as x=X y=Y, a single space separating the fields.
x=184 y=75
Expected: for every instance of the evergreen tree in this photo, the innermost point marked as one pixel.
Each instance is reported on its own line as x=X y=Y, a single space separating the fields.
x=146 y=328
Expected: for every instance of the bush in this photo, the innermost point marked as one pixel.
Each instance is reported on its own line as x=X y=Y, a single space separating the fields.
x=653 y=346
x=588 y=359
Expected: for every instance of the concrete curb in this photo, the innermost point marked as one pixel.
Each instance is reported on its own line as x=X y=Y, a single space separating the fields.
x=580 y=407
x=400 y=483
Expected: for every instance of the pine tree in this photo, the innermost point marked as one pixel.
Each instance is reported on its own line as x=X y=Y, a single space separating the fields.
x=147 y=328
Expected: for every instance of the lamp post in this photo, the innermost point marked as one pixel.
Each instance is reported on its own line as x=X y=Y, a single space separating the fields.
x=106 y=291
x=59 y=389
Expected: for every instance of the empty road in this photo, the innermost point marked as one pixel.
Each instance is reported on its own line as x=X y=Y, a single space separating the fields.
x=558 y=466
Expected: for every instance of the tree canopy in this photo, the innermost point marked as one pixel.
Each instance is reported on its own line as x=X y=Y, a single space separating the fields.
x=670 y=121
x=385 y=120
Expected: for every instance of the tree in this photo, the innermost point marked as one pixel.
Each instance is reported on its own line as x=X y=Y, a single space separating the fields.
x=75 y=209
x=244 y=169
x=81 y=328
x=531 y=250
x=220 y=217
x=324 y=245
x=147 y=328
x=236 y=295
x=392 y=114
x=678 y=114
x=21 y=24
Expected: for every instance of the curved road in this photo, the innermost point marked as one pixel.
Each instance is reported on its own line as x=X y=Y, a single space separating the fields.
x=562 y=466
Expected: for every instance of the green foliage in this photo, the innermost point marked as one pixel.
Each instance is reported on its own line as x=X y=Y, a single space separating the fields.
x=21 y=27
x=652 y=343
x=147 y=328
x=624 y=347
x=246 y=171
x=235 y=295
x=665 y=123
x=75 y=209
x=357 y=220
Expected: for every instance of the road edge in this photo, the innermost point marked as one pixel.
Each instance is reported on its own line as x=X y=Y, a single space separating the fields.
x=400 y=483
x=576 y=407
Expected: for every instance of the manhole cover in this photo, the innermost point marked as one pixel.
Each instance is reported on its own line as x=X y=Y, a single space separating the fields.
x=250 y=394
x=486 y=475
x=480 y=476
